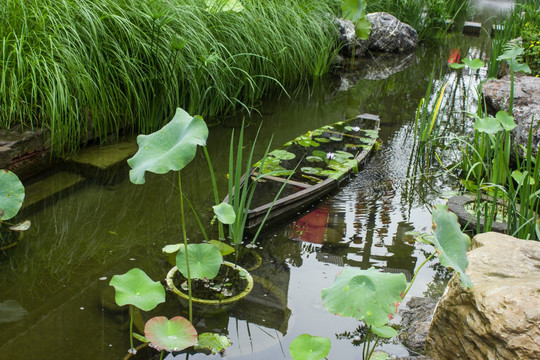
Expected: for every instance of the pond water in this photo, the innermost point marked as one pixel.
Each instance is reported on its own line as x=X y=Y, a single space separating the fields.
x=60 y=272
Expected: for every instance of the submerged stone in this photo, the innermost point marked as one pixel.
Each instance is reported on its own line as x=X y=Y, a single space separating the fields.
x=50 y=186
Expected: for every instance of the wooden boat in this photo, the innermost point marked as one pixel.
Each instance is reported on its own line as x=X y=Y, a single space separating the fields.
x=307 y=168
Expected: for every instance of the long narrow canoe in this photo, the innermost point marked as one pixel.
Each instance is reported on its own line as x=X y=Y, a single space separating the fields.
x=310 y=166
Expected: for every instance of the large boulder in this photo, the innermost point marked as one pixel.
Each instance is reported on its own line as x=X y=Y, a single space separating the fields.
x=350 y=43
x=499 y=318
x=388 y=34
x=526 y=105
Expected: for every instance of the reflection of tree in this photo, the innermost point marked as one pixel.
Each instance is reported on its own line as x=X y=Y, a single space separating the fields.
x=436 y=287
x=359 y=335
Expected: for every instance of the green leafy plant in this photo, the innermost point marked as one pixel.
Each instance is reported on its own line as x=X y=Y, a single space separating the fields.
x=12 y=194
x=355 y=10
x=170 y=335
x=135 y=288
x=374 y=297
x=171 y=148
x=308 y=347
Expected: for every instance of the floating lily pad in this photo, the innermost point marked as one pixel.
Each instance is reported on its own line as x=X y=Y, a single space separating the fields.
x=313 y=159
x=367 y=140
x=319 y=153
x=371 y=133
x=282 y=154
x=344 y=154
x=310 y=170
x=367 y=295
x=170 y=148
x=136 y=288
x=308 y=347
x=204 y=261
x=11 y=311
x=25 y=225
x=335 y=138
x=321 y=140
x=212 y=342
x=171 y=249
x=11 y=194
x=170 y=335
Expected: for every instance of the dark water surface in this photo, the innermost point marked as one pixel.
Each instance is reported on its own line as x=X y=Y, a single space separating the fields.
x=60 y=272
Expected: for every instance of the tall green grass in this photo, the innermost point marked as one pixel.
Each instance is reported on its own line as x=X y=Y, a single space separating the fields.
x=105 y=65
x=427 y=17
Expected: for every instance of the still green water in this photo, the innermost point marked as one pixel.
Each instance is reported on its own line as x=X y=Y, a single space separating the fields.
x=60 y=272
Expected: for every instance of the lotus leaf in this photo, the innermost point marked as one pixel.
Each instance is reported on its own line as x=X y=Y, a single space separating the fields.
x=313 y=159
x=335 y=138
x=488 y=125
x=171 y=249
x=11 y=310
x=384 y=331
x=321 y=140
x=171 y=335
x=308 y=347
x=204 y=261
x=224 y=249
x=282 y=154
x=310 y=170
x=23 y=226
x=319 y=153
x=212 y=342
x=367 y=295
x=225 y=213
x=473 y=64
x=507 y=121
x=367 y=140
x=379 y=355
x=450 y=242
x=170 y=148
x=371 y=133
x=344 y=154
x=136 y=288
x=11 y=194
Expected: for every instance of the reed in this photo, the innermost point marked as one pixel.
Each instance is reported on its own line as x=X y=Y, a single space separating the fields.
x=107 y=65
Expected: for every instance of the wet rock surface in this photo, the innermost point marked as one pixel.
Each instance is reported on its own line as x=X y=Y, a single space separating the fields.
x=351 y=44
x=416 y=320
x=499 y=318
x=24 y=153
x=526 y=105
x=388 y=34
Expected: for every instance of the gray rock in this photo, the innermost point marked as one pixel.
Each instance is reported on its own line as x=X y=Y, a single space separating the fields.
x=526 y=105
x=499 y=318
x=351 y=44
x=388 y=34
x=416 y=319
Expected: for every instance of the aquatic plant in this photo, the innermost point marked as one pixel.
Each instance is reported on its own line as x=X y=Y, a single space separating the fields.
x=373 y=297
x=171 y=148
x=12 y=194
x=81 y=68
x=135 y=288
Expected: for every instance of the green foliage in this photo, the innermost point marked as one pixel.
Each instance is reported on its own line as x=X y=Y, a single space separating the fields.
x=212 y=342
x=137 y=289
x=204 y=261
x=355 y=10
x=451 y=244
x=72 y=65
x=11 y=195
x=308 y=347
x=225 y=213
x=170 y=148
x=170 y=335
x=367 y=295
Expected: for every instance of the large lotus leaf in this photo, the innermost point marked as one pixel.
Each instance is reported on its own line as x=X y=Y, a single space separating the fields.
x=204 y=261
x=224 y=249
x=136 y=288
x=450 y=242
x=11 y=310
x=367 y=295
x=170 y=148
x=225 y=213
x=11 y=194
x=308 y=347
x=362 y=28
x=213 y=342
x=384 y=331
x=170 y=335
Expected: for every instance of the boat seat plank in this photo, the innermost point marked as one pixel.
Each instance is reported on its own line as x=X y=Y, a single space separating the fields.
x=281 y=180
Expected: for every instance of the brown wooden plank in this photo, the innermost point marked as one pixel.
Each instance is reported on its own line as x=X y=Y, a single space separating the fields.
x=281 y=180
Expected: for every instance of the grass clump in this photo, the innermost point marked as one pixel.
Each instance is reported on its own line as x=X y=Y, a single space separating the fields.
x=72 y=66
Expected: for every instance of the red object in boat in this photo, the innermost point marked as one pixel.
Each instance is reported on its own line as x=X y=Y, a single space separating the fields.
x=454 y=57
